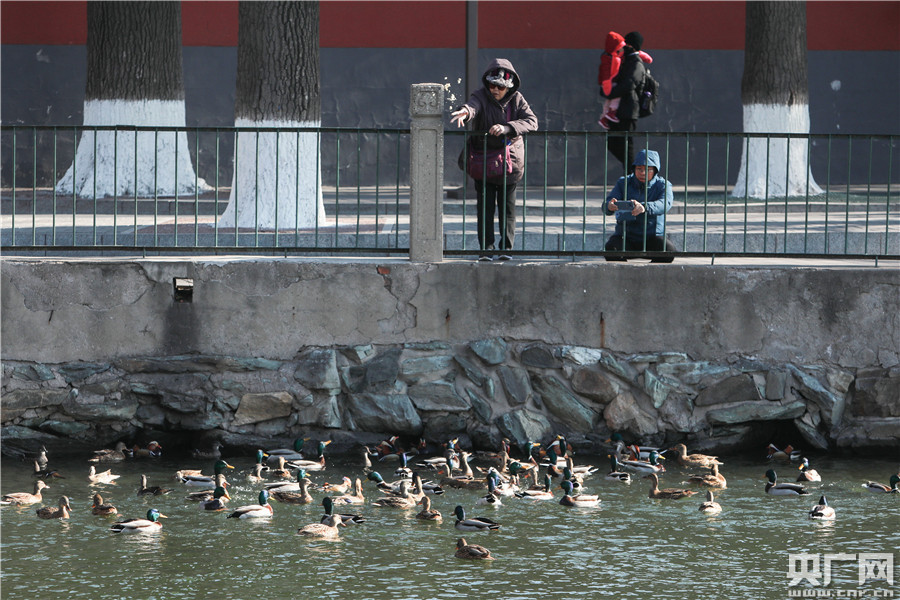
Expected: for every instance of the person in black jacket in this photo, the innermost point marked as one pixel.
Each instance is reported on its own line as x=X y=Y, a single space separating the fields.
x=627 y=86
x=499 y=111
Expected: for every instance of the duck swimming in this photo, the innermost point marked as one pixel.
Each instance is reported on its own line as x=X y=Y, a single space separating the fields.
x=782 y=489
x=471 y=551
x=61 y=511
x=151 y=491
x=346 y=518
x=102 y=477
x=786 y=455
x=206 y=480
x=693 y=460
x=24 y=498
x=149 y=525
x=263 y=510
x=328 y=529
x=289 y=496
x=578 y=500
x=473 y=523
x=543 y=493
x=427 y=513
x=101 y=508
x=355 y=498
x=118 y=454
x=45 y=473
x=822 y=511
x=807 y=473
x=880 y=488
x=666 y=494
x=710 y=507
x=614 y=473
x=218 y=502
x=714 y=479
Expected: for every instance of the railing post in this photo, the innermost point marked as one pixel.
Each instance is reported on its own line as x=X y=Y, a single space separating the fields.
x=426 y=172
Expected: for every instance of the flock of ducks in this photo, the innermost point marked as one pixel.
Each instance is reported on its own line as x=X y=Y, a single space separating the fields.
x=283 y=474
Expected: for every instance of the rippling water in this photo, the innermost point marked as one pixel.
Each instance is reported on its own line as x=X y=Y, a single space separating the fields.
x=631 y=547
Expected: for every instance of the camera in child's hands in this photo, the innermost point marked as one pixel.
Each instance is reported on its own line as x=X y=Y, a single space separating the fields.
x=625 y=205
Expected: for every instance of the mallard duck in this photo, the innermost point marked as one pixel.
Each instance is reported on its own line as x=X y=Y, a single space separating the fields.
x=403 y=471
x=666 y=494
x=381 y=484
x=257 y=475
x=262 y=510
x=45 y=473
x=473 y=523
x=427 y=513
x=60 y=511
x=807 y=473
x=280 y=469
x=312 y=465
x=822 y=511
x=543 y=493
x=582 y=471
x=786 y=455
x=614 y=473
x=713 y=479
x=295 y=453
x=149 y=525
x=209 y=493
x=338 y=488
x=355 y=498
x=101 y=508
x=403 y=500
x=300 y=496
x=466 y=479
x=471 y=551
x=118 y=454
x=25 y=498
x=640 y=452
x=327 y=529
x=102 y=477
x=650 y=466
x=491 y=498
x=579 y=500
x=214 y=452
x=693 y=460
x=217 y=502
x=710 y=507
x=346 y=518
x=187 y=472
x=151 y=491
x=207 y=480
x=878 y=488
x=153 y=450
x=782 y=489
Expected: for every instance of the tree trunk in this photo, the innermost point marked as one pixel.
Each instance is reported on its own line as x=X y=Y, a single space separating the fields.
x=277 y=182
x=134 y=77
x=775 y=96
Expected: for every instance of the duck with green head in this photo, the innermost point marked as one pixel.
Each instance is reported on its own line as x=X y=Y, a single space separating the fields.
x=578 y=500
x=614 y=473
x=293 y=453
x=218 y=502
x=346 y=518
x=473 y=523
x=543 y=493
x=207 y=480
x=263 y=510
x=773 y=488
x=807 y=473
x=652 y=465
x=149 y=525
x=312 y=465
x=880 y=488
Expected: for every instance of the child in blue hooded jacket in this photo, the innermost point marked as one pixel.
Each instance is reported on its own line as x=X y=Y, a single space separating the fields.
x=641 y=225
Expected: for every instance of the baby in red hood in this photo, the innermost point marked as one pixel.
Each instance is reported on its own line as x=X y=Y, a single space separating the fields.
x=609 y=68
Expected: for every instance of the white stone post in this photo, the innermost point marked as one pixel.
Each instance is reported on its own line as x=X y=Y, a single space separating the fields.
x=426 y=173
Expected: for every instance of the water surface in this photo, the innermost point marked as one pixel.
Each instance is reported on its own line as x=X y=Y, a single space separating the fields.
x=631 y=547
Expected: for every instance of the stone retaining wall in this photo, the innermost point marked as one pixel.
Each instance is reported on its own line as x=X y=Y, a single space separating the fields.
x=268 y=350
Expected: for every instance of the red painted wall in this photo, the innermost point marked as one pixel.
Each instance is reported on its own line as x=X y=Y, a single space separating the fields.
x=678 y=25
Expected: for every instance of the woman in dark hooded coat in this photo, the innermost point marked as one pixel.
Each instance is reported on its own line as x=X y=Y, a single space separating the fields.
x=498 y=110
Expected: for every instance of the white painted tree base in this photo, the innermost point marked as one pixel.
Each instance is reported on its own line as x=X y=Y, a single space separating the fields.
x=105 y=160
x=763 y=118
x=278 y=181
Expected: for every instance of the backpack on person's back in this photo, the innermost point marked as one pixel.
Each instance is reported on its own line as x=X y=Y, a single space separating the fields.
x=648 y=96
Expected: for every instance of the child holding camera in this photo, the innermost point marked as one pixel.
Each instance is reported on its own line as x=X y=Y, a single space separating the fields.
x=640 y=202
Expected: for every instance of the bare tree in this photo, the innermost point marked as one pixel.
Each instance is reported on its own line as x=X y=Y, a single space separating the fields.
x=775 y=95
x=134 y=77
x=277 y=181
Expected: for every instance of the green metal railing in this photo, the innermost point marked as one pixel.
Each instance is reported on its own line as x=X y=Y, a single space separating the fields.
x=345 y=191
